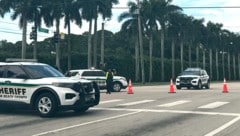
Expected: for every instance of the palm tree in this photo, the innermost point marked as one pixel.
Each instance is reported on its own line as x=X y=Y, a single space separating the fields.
x=53 y=13
x=197 y=32
x=106 y=12
x=214 y=32
x=149 y=17
x=175 y=28
x=164 y=9
x=89 y=12
x=103 y=7
x=71 y=13
x=225 y=34
x=5 y=7
x=26 y=11
x=130 y=26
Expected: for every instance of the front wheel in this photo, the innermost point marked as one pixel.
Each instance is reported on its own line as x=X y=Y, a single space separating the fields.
x=116 y=87
x=178 y=87
x=208 y=85
x=46 y=105
x=199 y=85
x=97 y=93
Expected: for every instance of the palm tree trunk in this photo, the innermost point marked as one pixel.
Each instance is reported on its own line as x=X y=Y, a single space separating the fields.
x=210 y=59
x=90 y=44
x=190 y=54
x=234 y=67
x=150 y=57
x=162 y=54
x=24 y=38
x=181 y=50
x=223 y=67
x=173 y=58
x=197 y=56
x=69 y=47
x=141 y=47
x=217 y=66
x=229 y=70
x=102 y=45
x=95 y=43
x=137 y=63
x=204 y=59
x=238 y=66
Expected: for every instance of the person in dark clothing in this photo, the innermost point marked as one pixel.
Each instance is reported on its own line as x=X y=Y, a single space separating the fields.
x=109 y=81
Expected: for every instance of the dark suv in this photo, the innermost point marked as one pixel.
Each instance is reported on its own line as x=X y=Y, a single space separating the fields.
x=193 y=77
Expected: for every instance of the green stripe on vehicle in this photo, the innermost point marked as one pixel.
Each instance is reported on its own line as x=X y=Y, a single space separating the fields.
x=19 y=84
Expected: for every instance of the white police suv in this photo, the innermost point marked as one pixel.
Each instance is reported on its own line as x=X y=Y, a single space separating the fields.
x=193 y=77
x=99 y=77
x=45 y=89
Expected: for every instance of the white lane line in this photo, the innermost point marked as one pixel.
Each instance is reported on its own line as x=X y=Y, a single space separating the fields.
x=213 y=105
x=214 y=132
x=169 y=111
x=86 y=123
x=135 y=103
x=110 y=101
x=174 y=103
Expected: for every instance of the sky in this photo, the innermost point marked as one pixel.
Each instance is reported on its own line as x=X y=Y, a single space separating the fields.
x=229 y=17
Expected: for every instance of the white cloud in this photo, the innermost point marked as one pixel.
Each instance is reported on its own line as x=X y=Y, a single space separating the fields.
x=229 y=17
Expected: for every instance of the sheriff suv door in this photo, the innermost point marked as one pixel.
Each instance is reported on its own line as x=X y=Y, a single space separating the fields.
x=204 y=77
x=13 y=85
x=96 y=76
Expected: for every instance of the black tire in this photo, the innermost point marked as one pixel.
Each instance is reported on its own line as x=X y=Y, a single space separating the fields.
x=188 y=88
x=97 y=93
x=117 y=87
x=81 y=110
x=46 y=105
x=178 y=87
x=208 y=85
x=199 y=85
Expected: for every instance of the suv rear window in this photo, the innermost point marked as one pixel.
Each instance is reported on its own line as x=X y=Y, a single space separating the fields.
x=93 y=73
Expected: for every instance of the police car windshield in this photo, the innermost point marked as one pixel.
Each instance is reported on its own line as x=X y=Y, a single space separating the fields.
x=42 y=71
x=188 y=72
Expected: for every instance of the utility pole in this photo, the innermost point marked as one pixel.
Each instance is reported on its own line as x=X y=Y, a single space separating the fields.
x=102 y=44
x=57 y=44
x=140 y=42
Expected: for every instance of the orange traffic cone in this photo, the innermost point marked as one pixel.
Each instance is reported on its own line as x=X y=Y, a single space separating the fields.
x=130 y=90
x=171 y=89
x=225 y=88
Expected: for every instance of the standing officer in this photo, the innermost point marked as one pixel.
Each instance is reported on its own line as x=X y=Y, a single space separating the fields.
x=109 y=81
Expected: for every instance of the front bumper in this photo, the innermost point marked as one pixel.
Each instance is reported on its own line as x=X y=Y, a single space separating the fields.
x=187 y=82
x=88 y=95
x=124 y=84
